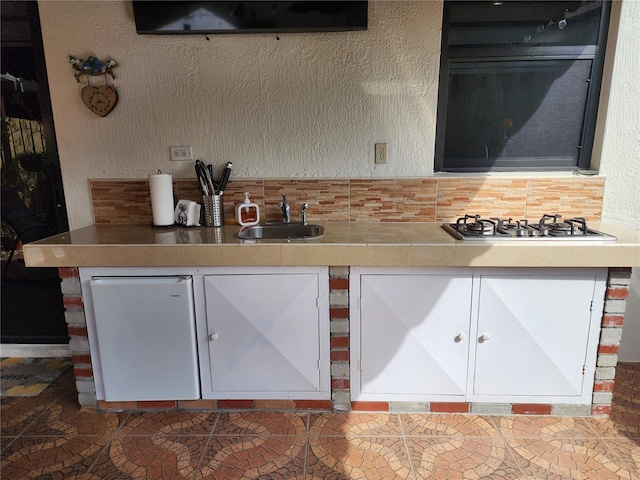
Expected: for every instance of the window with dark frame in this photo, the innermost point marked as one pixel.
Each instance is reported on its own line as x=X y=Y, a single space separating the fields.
x=519 y=84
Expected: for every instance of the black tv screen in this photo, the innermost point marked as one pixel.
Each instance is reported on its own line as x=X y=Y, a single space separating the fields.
x=192 y=17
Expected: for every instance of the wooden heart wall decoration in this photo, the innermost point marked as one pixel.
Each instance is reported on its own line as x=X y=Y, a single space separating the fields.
x=100 y=100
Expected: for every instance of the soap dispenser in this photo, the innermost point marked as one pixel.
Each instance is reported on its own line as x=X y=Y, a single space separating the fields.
x=247 y=213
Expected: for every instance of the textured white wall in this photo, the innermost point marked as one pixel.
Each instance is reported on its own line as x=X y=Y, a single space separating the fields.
x=621 y=156
x=306 y=105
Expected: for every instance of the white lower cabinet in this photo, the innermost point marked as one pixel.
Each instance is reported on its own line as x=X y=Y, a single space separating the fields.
x=537 y=334
x=482 y=335
x=409 y=333
x=266 y=334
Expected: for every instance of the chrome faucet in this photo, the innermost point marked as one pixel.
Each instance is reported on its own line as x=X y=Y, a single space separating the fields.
x=286 y=211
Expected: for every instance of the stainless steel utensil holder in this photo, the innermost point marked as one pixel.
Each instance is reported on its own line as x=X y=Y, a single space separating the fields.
x=213 y=210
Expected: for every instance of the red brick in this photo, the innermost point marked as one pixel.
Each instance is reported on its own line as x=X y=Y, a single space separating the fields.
x=339 y=312
x=617 y=293
x=83 y=372
x=449 y=407
x=68 y=272
x=340 y=384
x=148 y=404
x=603 y=386
x=339 y=342
x=339 y=355
x=339 y=283
x=275 y=404
x=235 y=404
x=313 y=404
x=530 y=409
x=197 y=404
x=370 y=406
x=601 y=410
x=81 y=359
x=613 y=320
x=117 y=406
x=608 y=348
x=72 y=301
x=78 y=331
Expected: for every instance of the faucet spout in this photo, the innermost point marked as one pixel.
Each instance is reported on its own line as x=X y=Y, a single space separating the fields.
x=286 y=210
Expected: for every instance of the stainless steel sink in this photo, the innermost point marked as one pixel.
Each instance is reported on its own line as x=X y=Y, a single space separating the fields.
x=281 y=231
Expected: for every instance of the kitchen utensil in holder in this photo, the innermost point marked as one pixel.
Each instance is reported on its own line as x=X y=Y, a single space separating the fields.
x=213 y=210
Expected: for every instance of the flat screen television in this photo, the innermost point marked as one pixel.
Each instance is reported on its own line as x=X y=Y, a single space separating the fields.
x=189 y=17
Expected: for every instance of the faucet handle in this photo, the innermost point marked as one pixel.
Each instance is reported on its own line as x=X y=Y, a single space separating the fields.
x=303 y=213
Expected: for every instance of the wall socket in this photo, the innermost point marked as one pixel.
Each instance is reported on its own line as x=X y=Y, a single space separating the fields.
x=381 y=154
x=180 y=154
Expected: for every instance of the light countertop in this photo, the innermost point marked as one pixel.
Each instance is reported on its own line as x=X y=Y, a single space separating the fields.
x=344 y=244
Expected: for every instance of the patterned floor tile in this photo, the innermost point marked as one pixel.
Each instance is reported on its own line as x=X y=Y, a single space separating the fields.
x=365 y=424
x=441 y=458
x=568 y=459
x=262 y=423
x=621 y=423
x=5 y=442
x=626 y=388
x=350 y=458
x=448 y=425
x=17 y=413
x=250 y=457
x=169 y=423
x=624 y=419
x=149 y=457
x=63 y=418
x=54 y=458
x=50 y=437
x=628 y=450
x=543 y=426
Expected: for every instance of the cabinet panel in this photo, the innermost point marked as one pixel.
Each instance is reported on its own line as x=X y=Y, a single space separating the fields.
x=413 y=336
x=266 y=335
x=533 y=333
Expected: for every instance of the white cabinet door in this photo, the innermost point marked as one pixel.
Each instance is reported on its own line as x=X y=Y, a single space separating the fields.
x=536 y=335
x=410 y=336
x=266 y=337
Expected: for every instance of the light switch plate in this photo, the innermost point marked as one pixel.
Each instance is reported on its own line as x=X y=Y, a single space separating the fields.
x=181 y=154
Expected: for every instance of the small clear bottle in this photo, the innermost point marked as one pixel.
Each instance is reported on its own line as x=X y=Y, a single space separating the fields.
x=247 y=213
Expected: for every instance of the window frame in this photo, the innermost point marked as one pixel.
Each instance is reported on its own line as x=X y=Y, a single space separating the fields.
x=479 y=54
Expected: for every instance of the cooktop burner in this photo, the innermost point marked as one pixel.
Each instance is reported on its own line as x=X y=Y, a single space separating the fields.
x=549 y=227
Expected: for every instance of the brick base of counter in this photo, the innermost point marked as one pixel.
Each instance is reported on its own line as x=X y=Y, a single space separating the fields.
x=610 y=335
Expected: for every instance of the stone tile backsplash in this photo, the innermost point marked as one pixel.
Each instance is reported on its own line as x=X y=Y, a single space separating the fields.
x=371 y=200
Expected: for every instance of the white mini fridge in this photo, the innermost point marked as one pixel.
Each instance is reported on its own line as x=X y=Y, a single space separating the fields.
x=146 y=337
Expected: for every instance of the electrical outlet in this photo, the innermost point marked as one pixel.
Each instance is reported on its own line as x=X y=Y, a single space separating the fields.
x=381 y=154
x=180 y=154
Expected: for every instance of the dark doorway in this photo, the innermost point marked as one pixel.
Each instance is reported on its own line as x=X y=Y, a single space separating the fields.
x=32 y=309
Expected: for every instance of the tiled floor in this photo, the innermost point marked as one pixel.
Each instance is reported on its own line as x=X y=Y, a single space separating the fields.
x=48 y=437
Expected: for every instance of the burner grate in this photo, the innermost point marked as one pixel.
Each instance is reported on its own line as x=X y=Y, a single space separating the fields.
x=549 y=227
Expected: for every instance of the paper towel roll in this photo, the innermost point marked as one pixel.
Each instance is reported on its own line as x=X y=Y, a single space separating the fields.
x=161 y=187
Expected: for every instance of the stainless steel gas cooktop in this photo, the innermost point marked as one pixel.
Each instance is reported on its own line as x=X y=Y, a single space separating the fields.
x=548 y=228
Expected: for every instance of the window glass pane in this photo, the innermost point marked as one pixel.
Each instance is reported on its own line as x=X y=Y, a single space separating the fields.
x=524 y=23
x=502 y=113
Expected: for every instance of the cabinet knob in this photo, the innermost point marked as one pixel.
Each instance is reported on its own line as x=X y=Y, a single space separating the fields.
x=485 y=337
x=460 y=337
x=213 y=336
